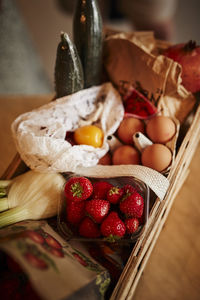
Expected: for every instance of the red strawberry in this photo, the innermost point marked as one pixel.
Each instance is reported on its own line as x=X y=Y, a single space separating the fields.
x=75 y=211
x=114 y=194
x=113 y=226
x=88 y=228
x=132 y=225
x=133 y=205
x=97 y=209
x=100 y=189
x=128 y=190
x=78 y=188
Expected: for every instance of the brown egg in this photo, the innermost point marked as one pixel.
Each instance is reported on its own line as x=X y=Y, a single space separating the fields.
x=125 y=155
x=127 y=128
x=157 y=157
x=105 y=160
x=160 y=129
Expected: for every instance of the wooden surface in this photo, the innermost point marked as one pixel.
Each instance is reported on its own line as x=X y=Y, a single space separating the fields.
x=173 y=270
x=11 y=107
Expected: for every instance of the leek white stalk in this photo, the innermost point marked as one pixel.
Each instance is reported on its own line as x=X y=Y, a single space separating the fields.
x=4 y=185
x=32 y=196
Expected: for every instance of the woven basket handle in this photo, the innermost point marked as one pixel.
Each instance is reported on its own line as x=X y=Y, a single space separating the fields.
x=155 y=180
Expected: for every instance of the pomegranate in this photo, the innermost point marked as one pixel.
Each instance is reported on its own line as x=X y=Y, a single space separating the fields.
x=188 y=56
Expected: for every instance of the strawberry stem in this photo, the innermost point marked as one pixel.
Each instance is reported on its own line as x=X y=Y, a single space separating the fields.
x=77 y=190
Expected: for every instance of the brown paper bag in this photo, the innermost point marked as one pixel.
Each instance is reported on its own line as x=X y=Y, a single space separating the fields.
x=134 y=59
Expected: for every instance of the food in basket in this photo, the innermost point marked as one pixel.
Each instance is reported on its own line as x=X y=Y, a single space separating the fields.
x=132 y=225
x=68 y=74
x=75 y=211
x=88 y=38
x=133 y=205
x=100 y=189
x=160 y=129
x=89 y=135
x=78 y=189
x=113 y=205
x=128 y=127
x=97 y=209
x=134 y=135
x=114 y=194
x=157 y=157
x=106 y=159
x=113 y=226
x=126 y=155
x=31 y=195
x=188 y=56
x=88 y=228
x=137 y=105
x=44 y=136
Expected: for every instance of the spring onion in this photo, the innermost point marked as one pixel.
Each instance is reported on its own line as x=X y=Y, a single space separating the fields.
x=32 y=196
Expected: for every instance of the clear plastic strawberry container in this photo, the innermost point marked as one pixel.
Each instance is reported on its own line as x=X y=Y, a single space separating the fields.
x=72 y=228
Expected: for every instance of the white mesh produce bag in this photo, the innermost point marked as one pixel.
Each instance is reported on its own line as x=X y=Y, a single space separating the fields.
x=39 y=135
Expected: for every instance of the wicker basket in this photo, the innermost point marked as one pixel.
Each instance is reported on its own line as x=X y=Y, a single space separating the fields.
x=141 y=252
x=132 y=272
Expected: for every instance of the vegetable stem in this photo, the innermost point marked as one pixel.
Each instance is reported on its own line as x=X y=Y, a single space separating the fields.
x=2 y=192
x=3 y=188
x=13 y=215
x=3 y=204
x=5 y=183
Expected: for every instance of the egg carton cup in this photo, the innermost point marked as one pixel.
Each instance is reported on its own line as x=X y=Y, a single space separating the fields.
x=141 y=141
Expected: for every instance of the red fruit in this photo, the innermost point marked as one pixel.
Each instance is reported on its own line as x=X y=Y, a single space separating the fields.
x=100 y=189
x=52 y=242
x=78 y=188
x=138 y=106
x=97 y=209
x=34 y=236
x=128 y=190
x=132 y=225
x=188 y=56
x=114 y=194
x=88 y=228
x=35 y=261
x=113 y=226
x=133 y=205
x=56 y=252
x=75 y=211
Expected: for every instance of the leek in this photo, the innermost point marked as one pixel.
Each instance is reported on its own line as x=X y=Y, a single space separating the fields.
x=30 y=196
